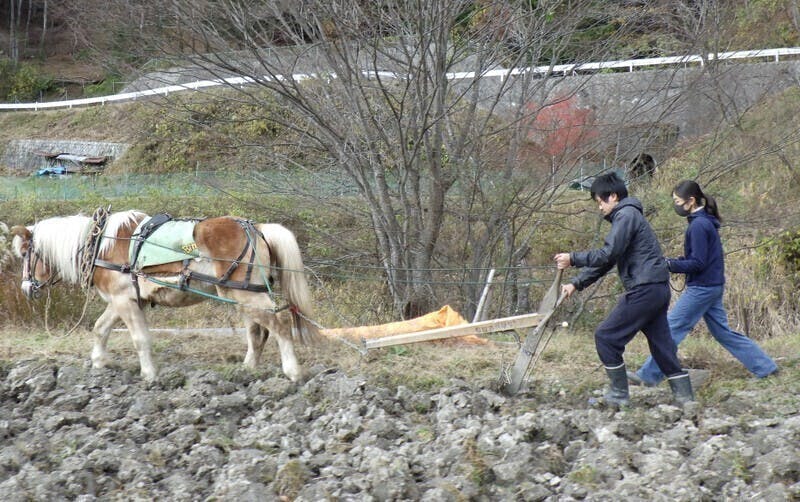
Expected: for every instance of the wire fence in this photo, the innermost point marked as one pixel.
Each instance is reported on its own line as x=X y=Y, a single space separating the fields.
x=325 y=183
x=199 y=183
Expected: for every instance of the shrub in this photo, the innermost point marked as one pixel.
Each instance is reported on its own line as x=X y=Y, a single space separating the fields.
x=784 y=251
x=21 y=82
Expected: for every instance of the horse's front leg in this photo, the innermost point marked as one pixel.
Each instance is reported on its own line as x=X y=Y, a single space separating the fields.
x=134 y=319
x=102 y=328
x=256 y=338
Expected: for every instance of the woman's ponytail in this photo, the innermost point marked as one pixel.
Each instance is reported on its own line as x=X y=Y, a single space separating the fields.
x=711 y=207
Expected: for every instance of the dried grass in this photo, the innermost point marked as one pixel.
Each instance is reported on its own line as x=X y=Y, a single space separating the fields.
x=568 y=371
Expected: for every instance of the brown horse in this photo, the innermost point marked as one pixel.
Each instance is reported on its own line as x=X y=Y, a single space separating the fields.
x=233 y=259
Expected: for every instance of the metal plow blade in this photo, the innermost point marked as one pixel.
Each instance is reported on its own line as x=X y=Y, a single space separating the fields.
x=550 y=302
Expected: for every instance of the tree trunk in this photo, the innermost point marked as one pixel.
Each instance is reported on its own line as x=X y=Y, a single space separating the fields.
x=794 y=11
x=42 y=51
x=13 y=51
x=27 y=26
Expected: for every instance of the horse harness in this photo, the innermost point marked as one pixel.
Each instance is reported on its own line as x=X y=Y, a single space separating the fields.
x=30 y=285
x=86 y=258
x=186 y=275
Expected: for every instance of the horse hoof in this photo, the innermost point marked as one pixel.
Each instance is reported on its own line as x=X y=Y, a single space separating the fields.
x=149 y=377
x=300 y=377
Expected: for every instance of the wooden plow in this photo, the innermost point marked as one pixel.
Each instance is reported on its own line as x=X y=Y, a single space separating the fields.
x=536 y=322
x=475 y=328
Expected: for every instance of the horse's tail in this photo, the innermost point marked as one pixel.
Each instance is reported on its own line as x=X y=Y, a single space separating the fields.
x=286 y=252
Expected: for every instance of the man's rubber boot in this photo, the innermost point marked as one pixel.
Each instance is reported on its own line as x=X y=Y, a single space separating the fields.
x=681 y=387
x=617 y=394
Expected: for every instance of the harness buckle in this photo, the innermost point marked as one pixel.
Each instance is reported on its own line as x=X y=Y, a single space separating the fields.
x=185 y=277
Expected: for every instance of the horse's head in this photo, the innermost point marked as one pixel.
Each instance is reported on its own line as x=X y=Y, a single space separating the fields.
x=36 y=274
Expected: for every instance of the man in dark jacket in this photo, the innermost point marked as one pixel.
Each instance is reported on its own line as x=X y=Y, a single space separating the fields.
x=632 y=246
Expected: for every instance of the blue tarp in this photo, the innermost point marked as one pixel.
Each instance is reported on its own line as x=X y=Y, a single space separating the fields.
x=52 y=171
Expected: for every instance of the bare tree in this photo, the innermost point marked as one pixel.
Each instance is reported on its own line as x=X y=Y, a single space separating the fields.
x=395 y=96
x=375 y=90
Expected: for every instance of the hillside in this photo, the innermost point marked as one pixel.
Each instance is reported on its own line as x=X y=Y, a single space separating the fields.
x=749 y=167
x=212 y=134
x=67 y=53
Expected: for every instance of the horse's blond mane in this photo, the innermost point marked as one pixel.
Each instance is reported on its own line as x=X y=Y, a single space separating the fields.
x=59 y=240
x=115 y=221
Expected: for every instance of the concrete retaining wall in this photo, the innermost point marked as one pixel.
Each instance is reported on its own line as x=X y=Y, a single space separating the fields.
x=21 y=155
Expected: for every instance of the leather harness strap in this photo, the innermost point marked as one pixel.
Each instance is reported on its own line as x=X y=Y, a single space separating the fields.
x=244 y=285
x=124 y=268
x=224 y=281
x=188 y=275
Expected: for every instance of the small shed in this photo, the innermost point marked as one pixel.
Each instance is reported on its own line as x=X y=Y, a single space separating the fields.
x=70 y=163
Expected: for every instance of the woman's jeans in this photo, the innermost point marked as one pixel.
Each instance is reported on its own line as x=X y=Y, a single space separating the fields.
x=706 y=302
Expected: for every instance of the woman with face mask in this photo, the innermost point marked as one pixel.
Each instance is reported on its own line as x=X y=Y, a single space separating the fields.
x=704 y=266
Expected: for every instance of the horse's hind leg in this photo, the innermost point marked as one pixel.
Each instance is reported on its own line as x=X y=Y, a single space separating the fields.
x=278 y=326
x=102 y=328
x=273 y=325
x=291 y=368
x=261 y=310
x=134 y=319
x=256 y=338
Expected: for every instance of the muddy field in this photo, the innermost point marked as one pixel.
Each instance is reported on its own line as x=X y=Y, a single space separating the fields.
x=68 y=432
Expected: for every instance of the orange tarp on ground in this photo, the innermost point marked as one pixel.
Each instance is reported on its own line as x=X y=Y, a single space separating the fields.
x=439 y=319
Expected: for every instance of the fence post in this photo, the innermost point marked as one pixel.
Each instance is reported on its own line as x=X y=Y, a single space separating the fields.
x=482 y=302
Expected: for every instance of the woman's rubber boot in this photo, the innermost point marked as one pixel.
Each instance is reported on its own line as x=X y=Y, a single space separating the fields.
x=681 y=387
x=617 y=394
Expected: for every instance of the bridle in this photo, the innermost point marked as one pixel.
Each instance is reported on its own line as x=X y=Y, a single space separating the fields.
x=30 y=285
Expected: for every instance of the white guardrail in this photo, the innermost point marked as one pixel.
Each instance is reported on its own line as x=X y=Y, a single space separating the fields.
x=563 y=69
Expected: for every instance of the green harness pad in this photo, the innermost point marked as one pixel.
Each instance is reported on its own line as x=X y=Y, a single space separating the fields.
x=170 y=242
